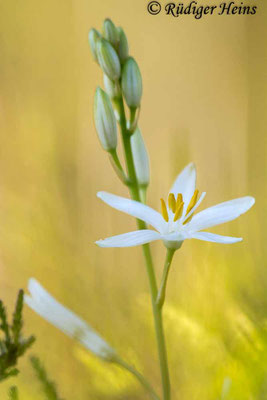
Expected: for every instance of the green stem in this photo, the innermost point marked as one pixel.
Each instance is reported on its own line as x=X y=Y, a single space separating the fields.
x=142 y=192
x=116 y=164
x=162 y=351
x=134 y=190
x=163 y=284
x=139 y=377
x=116 y=159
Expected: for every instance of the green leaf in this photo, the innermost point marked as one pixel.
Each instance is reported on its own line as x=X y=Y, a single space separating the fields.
x=13 y=393
x=12 y=343
x=4 y=325
x=49 y=386
x=17 y=317
x=25 y=344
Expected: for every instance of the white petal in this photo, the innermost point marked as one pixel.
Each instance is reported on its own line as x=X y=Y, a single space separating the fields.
x=212 y=237
x=220 y=213
x=185 y=183
x=130 y=239
x=135 y=209
x=51 y=310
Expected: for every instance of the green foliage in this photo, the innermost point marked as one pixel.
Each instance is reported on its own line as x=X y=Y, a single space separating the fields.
x=12 y=343
x=13 y=393
x=49 y=386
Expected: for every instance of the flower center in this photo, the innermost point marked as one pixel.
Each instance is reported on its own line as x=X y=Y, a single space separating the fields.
x=177 y=207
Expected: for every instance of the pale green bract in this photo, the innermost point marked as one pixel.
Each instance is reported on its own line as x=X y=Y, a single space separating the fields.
x=131 y=83
x=93 y=37
x=123 y=48
x=105 y=121
x=110 y=32
x=108 y=59
x=141 y=159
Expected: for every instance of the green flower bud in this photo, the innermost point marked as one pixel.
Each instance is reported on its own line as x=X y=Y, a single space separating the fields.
x=108 y=59
x=93 y=37
x=123 y=49
x=111 y=87
x=105 y=121
x=110 y=32
x=131 y=83
x=140 y=156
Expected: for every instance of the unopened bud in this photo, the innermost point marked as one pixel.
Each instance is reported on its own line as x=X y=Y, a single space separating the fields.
x=132 y=83
x=93 y=37
x=111 y=87
x=123 y=49
x=108 y=59
x=110 y=32
x=140 y=156
x=105 y=121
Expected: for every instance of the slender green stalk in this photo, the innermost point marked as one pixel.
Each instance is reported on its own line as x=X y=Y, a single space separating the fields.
x=162 y=351
x=116 y=160
x=116 y=164
x=139 y=377
x=142 y=192
x=163 y=284
x=134 y=190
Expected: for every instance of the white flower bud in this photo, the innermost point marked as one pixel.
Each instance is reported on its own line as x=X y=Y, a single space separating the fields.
x=110 y=32
x=105 y=121
x=111 y=87
x=132 y=83
x=64 y=319
x=141 y=159
x=93 y=37
x=123 y=49
x=108 y=59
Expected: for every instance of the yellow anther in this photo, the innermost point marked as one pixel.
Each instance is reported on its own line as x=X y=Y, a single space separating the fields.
x=192 y=202
x=172 y=202
x=179 y=211
x=164 y=210
x=179 y=200
x=190 y=206
x=188 y=219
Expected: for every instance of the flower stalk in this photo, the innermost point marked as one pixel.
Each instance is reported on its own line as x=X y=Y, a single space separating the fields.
x=138 y=376
x=162 y=290
x=116 y=164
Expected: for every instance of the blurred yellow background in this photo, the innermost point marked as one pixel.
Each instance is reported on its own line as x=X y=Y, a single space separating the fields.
x=204 y=100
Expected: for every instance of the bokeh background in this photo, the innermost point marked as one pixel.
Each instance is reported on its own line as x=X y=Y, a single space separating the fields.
x=204 y=100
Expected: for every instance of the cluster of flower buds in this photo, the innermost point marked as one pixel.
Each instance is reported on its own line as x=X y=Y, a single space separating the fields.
x=122 y=81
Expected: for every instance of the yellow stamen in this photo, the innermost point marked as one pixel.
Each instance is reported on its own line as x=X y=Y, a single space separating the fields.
x=179 y=200
x=172 y=202
x=179 y=211
x=188 y=219
x=190 y=206
x=164 y=210
x=192 y=202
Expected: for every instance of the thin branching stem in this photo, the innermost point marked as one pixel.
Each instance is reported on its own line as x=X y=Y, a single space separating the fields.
x=139 y=377
x=163 y=284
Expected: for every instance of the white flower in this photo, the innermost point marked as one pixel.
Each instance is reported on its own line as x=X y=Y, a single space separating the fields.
x=50 y=309
x=177 y=222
